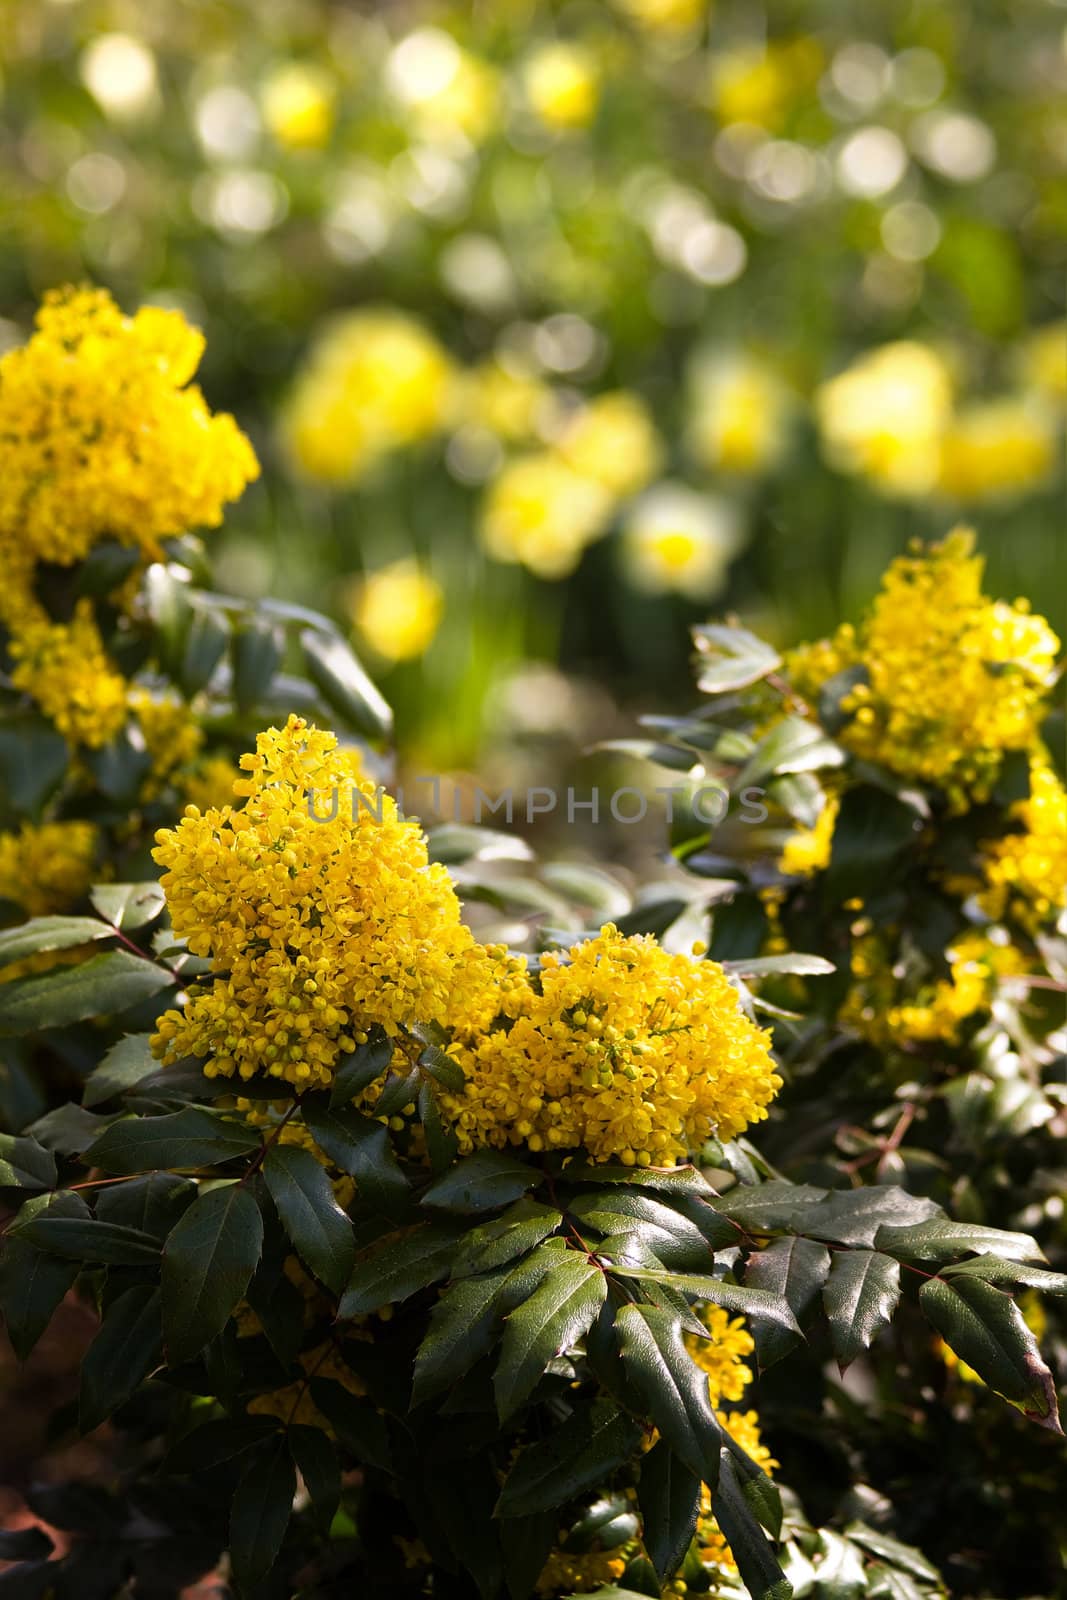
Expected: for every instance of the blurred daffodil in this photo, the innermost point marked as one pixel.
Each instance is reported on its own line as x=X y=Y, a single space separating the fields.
x=612 y=441
x=561 y=85
x=677 y=540
x=507 y=398
x=1043 y=361
x=998 y=450
x=298 y=105
x=740 y=412
x=759 y=84
x=398 y=610
x=884 y=417
x=542 y=513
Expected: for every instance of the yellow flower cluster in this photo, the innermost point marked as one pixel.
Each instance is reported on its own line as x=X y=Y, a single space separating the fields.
x=623 y=1051
x=807 y=850
x=954 y=680
x=105 y=438
x=316 y=929
x=998 y=449
x=937 y=1011
x=546 y=506
x=740 y=412
x=398 y=610
x=568 y=1572
x=171 y=734
x=66 y=670
x=374 y=382
x=1026 y=872
x=47 y=867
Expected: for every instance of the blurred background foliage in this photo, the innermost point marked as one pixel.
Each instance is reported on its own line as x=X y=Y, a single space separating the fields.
x=557 y=327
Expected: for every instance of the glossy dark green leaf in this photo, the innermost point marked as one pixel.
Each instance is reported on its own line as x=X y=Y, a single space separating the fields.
x=25 y=1164
x=758 y=1489
x=216 y=1442
x=462 y=1329
x=255 y=655
x=124 y=1065
x=208 y=1260
x=777 y=1206
x=854 y=1216
x=206 y=639
x=577 y=1456
x=128 y=1346
x=520 y=1229
x=192 y=1137
x=151 y=1204
x=32 y=1282
x=794 y=744
x=671 y=1385
x=360 y=1146
x=89 y=1239
x=665 y=1180
x=399 y=1265
x=749 y=1546
x=358 y=1070
x=796 y=964
x=554 y=1317
x=442 y=1145
x=49 y=933
x=355 y=1421
x=315 y=1458
x=795 y=1270
x=68 y=1130
x=669 y=1496
x=985 y=1328
x=527 y=1543
x=129 y=905
x=675 y=1240
x=735 y=1297
x=860 y=1295
x=318 y=1228
x=344 y=685
x=941 y=1238
x=995 y=1269
x=871 y=828
x=481 y=1182
x=106 y=983
x=260 y=1514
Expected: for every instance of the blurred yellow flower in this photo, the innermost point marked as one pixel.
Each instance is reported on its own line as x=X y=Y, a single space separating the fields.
x=884 y=417
x=444 y=88
x=542 y=513
x=298 y=103
x=398 y=610
x=1043 y=361
x=506 y=398
x=807 y=850
x=998 y=449
x=1026 y=872
x=65 y=668
x=612 y=441
x=47 y=867
x=676 y=539
x=740 y=412
x=664 y=16
x=374 y=381
x=561 y=85
x=759 y=84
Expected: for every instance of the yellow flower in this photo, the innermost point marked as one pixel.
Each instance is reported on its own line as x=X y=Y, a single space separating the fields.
x=580 y=1571
x=375 y=381
x=47 y=867
x=210 y=783
x=612 y=442
x=298 y=105
x=807 y=851
x=542 y=513
x=676 y=539
x=171 y=734
x=740 y=413
x=506 y=398
x=398 y=610
x=317 y=929
x=66 y=670
x=884 y=418
x=877 y=1007
x=1026 y=872
x=623 y=1051
x=664 y=16
x=723 y=1354
x=561 y=85
x=953 y=680
x=104 y=437
x=760 y=84
x=445 y=90
x=998 y=450
x=1042 y=361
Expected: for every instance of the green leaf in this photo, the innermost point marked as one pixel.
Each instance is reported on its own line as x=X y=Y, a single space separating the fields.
x=462 y=1327
x=665 y=1180
x=941 y=1237
x=315 y=1458
x=105 y=984
x=675 y=1240
x=32 y=1283
x=442 y=1067
x=890 y=1550
x=360 y=1146
x=344 y=685
x=871 y=828
x=517 y=1231
x=736 y=1297
x=527 y=1544
x=481 y=1182
x=792 y=745
x=860 y=1296
x=731 y=658
x=794 y=964
x=758 y=1489
x=671 y=1385
x=357 y=1424
x=127 y=1348
x=318 y=1228
x=760 y=1572
x=669 y=1496
x=49 y=933
x=152 y=1204
x=558 y=1312
x=124 y=1065
x=854 y=1216
x=128 y=905
x=190 y=1138
x=359 y=1070
x=260 y=1514
x=68 y=1130
x=33 y=760
x=214 y=1443
x=205 y=645
x=399 y=1265
x=995 y=1269
x=794 y=1270
x=255 y=655
x=208 y=1261
x=88 y=1239
x=575 y=1457
x=771 y=1207
x=25 y=1164
x=985 y=1328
